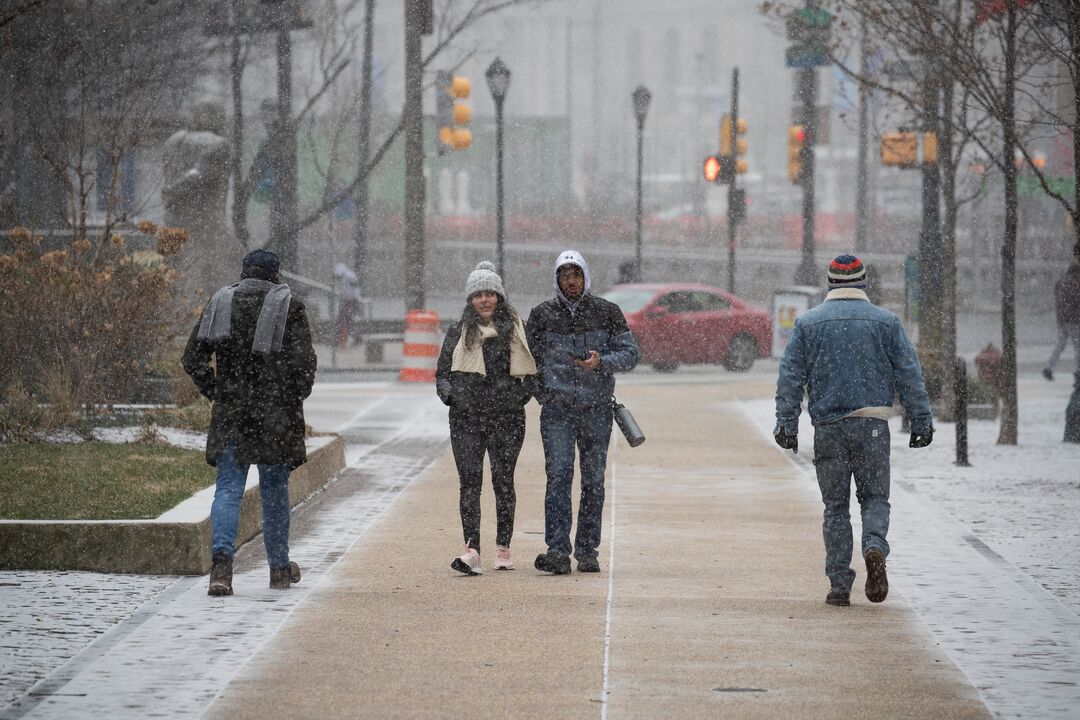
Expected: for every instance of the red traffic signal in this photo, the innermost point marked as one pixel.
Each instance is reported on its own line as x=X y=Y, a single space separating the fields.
x=711 y=169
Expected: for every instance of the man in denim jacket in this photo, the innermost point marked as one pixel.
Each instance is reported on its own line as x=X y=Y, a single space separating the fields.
x=853 y=358
x=579 y=341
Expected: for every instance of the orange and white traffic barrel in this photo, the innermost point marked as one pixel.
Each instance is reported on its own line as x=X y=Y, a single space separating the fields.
x=420 y=353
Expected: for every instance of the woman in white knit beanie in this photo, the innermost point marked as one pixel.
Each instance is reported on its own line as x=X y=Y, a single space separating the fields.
x=484 y=375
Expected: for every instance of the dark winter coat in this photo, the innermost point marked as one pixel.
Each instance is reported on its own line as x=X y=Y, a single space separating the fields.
x=1067 y=296
x=258 y=401
x=557 y=336
x=475 y=398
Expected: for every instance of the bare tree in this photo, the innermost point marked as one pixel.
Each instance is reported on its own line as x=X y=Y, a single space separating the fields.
x=95 y=80
x=994 y=55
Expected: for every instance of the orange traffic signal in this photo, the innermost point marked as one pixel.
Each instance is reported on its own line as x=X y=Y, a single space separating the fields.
x=796 y=139
x=711 y=169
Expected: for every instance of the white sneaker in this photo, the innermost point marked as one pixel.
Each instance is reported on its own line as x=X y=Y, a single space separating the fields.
x=502 y=558
x=469 y=563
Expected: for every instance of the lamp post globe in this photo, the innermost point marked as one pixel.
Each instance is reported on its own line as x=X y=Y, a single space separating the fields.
x=641 y=97
x=498 y=79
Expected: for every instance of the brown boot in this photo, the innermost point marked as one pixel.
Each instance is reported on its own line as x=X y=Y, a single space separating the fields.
x=220 y=575
x=284 y=577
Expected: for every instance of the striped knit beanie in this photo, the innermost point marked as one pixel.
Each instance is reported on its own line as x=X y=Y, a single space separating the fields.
x=847 y=271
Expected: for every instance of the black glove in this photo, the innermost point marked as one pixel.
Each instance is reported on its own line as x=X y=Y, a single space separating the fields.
x=921 y=439
x=786 y=441
x=442 y=389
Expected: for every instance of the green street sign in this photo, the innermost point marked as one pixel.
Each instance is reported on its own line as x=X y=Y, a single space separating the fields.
x=1030 y=185
x=808 y=22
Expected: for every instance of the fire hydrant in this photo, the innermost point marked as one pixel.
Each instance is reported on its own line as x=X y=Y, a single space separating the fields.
x=988 y=364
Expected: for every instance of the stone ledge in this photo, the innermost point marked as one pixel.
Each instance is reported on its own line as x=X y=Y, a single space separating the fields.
x=177 y=543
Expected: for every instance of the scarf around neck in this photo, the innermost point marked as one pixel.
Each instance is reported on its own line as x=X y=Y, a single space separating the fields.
x=472 y=359
x=216 y=322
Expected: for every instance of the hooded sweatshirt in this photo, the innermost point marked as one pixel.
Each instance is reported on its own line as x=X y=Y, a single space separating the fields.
x=560 y=330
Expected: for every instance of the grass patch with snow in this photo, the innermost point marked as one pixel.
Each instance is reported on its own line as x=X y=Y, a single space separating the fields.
x=97 y=480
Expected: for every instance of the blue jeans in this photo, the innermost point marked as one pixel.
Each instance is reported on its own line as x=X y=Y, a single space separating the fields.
x=589 y=430
x=859 y=447
x=225 y=512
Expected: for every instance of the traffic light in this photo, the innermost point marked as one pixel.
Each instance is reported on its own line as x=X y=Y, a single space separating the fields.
x=725 y=135
x=796 y=140
x=900 y=149
x=740 y=145
x=711 y=168
x=730 y=156
x=451 y=113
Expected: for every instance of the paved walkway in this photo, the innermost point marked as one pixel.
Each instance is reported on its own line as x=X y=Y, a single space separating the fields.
x=710 y=603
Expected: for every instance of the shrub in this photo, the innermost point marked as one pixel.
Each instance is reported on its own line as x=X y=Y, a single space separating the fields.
x=20 y=415
x=83 y=326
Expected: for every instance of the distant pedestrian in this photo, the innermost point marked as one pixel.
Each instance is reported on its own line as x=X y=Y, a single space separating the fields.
x=348 y=292
x=1067 y=309
x=852 y=358
x=579 y=342
x=264 y=366
x=484 y=374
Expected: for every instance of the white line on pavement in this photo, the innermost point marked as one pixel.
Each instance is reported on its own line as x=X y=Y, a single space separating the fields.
x=610 y=585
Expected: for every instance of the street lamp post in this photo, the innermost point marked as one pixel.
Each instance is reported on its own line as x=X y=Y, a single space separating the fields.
x=498 y=79
x=641 y=97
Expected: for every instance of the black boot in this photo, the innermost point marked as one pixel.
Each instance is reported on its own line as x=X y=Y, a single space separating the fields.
x=221 y=575
x=284 y=577
x=1072 y=414
x=552 y=562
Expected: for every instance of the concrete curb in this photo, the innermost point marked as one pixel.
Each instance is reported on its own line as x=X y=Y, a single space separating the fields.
x=177 y=543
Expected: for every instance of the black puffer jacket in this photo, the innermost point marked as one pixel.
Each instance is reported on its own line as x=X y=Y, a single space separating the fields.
x=475 y=396
x=258 y=400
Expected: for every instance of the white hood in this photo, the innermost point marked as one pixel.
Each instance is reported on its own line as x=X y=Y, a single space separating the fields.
x=570 y=257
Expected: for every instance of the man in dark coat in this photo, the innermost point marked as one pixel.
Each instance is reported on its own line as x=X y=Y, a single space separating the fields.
x=579 y=342
x=265 y=367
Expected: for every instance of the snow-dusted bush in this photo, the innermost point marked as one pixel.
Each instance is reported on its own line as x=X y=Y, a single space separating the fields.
x=84 y=325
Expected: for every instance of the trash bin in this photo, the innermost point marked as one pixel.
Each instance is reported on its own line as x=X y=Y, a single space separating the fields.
x=787 y=305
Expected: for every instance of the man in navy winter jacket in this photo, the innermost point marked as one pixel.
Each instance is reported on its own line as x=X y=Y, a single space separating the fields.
x=578 y=341
x=853 y=358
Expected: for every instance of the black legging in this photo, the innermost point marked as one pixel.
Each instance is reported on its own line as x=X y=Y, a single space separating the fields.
x=501 y=438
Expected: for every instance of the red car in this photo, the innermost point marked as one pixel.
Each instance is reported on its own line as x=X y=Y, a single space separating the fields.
x=688 y=323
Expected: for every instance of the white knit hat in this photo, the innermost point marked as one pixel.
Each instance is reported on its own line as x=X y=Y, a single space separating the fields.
x=483 y=278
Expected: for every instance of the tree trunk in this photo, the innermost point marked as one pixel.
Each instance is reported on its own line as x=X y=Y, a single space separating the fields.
x=1009 y=415
x=1074 y=49
x=363 y=197
x=948 y=242
x=414 y=159
x=931 y=260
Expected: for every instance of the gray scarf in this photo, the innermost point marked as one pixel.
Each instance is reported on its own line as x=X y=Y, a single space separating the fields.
x=216 y=323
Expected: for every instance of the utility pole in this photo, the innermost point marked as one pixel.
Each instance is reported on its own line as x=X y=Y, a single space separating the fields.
x=862 y=176
x=806 y=115
x=283 y=228
x=734 y=196
x=363 y=196
x=414 y=155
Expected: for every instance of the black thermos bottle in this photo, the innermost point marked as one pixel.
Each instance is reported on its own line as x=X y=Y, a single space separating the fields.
x=627 y=424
